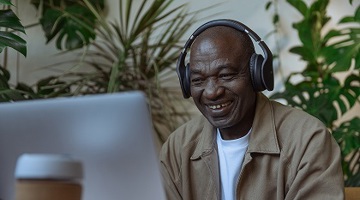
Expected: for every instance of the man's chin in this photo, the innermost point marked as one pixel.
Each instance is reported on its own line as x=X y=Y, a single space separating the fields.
x=219 y=122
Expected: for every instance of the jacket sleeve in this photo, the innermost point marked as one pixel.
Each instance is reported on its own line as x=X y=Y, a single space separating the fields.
x=169 y=185
x=169 y=170
x=318 y=173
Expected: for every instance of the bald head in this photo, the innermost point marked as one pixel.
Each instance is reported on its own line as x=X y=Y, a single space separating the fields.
x=237 y=44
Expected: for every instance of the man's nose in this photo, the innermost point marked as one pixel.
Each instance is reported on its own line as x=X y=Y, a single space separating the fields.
x=212 y=89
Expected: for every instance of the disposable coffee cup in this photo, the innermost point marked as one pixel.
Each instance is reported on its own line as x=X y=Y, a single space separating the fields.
x=48 y=177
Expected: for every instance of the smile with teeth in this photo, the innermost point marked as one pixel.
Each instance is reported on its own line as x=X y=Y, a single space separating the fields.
x=214 y=107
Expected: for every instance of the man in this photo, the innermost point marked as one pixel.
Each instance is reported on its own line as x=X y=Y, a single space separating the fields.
x=244 y=146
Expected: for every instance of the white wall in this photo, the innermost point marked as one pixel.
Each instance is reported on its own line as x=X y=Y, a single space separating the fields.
x=251 y=13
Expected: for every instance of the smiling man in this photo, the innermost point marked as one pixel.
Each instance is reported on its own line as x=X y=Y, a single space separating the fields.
x=245 y=146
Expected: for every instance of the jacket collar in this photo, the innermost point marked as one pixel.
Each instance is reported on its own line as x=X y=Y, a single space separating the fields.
x=263 y=138
x=207 y=141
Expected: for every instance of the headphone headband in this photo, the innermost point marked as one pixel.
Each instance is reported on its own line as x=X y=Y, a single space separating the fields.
x=260 y=66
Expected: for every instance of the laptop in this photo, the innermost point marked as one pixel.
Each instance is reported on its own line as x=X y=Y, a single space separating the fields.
x=111 y=134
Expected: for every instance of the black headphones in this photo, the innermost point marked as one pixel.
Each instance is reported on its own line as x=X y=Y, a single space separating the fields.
x=261 y=68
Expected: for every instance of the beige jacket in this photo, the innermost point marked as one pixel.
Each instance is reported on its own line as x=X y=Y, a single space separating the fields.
x=291 y=155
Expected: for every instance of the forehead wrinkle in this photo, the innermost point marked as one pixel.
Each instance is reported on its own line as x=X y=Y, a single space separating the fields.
x=204 y=65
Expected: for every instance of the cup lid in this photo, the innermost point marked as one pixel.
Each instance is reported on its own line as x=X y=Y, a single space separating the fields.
x=48 y=166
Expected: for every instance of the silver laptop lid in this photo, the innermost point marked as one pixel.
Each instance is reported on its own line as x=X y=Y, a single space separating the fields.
x=111 y=134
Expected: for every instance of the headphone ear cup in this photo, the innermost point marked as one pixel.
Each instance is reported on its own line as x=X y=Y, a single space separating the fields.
x=256 y=62
x=186 y=81
x=183 y=75
x=251 y=66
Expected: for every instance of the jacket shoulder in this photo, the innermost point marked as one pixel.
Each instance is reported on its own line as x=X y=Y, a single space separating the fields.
x=294 y=116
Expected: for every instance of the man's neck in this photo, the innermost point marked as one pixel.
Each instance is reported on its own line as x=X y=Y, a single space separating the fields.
x=241 y=129
x=232 y=134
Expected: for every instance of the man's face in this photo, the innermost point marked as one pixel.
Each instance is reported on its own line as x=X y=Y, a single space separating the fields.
x=220 y=84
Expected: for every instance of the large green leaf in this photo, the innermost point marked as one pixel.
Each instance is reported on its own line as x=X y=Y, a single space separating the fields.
x=299 y=5
x=12 y=40
x=348 y=137
x=8 y=19
x=344 y=95
x=327 y=100
x=69 y=31
x=305 y=53
x=69 y=21
x=344 y=51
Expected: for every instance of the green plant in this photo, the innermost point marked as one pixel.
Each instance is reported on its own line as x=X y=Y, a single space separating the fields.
x=320 y=90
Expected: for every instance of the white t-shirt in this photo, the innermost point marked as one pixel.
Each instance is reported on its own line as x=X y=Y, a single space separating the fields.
x=231 y=157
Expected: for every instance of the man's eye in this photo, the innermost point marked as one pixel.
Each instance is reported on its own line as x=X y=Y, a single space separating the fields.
x=196 y=81
x=226 y=76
